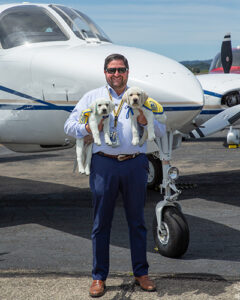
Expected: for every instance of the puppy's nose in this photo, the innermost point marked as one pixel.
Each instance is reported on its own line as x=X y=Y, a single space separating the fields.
x=104 y=110
x=135 y=100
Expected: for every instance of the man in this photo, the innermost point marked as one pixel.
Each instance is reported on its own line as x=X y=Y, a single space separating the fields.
x=122 y=168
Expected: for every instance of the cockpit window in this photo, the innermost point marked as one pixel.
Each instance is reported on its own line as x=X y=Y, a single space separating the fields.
x=28 y=24
x=82 y=26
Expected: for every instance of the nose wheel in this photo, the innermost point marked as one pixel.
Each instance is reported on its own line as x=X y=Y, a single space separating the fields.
x=173 y=238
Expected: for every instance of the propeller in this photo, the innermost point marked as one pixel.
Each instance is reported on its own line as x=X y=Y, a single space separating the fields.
x=226 y=53
x=220 y=121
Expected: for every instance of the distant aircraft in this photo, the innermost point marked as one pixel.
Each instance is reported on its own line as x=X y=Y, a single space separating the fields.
x=230 y=55
x=222 y=94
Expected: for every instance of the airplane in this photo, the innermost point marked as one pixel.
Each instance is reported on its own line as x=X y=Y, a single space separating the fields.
x=50 y=56
x=222 y=95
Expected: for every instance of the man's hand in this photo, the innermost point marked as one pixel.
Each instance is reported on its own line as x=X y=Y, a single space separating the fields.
x=141 y=118
x=88 y=139
x=100 y=127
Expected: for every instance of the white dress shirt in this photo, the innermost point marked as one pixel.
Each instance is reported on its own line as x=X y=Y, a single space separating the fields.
x=73 y=128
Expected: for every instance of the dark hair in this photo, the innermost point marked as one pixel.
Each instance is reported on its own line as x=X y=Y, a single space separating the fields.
x=115 y=56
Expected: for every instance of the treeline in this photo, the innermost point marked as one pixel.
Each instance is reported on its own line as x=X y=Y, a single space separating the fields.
x=197 y=66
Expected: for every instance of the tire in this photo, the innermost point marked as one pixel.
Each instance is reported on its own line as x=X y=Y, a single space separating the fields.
x=175 y=242
x=155 y=172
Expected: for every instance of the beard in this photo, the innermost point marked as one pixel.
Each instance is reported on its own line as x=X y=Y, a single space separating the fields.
x=117 y=83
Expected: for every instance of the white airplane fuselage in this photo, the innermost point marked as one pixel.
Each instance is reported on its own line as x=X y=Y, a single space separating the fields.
x=40 y=83
x=216 y=88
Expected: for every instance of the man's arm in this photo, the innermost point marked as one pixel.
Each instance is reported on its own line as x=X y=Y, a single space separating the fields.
x=72 y=126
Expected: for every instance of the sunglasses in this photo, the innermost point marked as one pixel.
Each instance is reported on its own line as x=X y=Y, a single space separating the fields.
x=114 y=70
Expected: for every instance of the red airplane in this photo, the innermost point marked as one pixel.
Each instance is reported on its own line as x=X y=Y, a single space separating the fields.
x=230 y=56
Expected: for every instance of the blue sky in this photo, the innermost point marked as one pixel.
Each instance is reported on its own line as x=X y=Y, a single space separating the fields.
x=180 y=29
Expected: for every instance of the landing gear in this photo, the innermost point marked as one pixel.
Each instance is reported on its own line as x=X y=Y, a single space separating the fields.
x=170 y=228
x=173 y=239
x=155 y=172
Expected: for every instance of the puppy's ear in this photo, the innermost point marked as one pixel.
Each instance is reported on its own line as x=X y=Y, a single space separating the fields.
x=125 y=97
x=144 y=97
x=93 y=107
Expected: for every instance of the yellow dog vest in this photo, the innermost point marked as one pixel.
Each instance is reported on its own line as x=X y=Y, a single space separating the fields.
x=154 y=106
x=84 y=116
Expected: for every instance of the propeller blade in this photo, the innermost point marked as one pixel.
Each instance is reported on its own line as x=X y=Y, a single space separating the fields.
x=220 y=121
x=226 y=53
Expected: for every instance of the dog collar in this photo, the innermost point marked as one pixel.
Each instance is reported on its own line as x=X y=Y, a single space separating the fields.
x=130 y=110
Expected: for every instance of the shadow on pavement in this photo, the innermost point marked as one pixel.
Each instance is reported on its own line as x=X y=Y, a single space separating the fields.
x=69 y=210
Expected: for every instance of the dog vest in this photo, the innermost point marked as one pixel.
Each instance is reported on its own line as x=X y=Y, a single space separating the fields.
x=149 y=104
x=84 y=116
x=154 y=106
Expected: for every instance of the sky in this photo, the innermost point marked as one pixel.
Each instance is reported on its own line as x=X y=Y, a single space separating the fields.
x=180 y=29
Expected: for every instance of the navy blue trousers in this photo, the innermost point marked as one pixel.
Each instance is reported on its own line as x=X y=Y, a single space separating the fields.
x=108 y=177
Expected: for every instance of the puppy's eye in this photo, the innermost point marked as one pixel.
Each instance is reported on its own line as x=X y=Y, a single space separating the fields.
x=99 y=105
x=138 y=94
x=107 y=104
x=130 y=95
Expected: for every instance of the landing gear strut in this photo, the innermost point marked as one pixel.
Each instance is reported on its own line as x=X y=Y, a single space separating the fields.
x=170 y=228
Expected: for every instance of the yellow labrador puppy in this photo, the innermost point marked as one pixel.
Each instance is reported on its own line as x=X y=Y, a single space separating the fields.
x=100 y=109
x=138 y=99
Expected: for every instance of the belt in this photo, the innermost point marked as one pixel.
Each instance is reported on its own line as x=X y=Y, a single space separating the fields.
x=119 y=157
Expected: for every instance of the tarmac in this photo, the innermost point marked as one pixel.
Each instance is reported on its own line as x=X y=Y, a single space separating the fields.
x=46 y=218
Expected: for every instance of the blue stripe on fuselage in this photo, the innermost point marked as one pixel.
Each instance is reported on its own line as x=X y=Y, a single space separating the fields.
x=211 y=111
x=27 y=107
x=51 y=106
x=70 y=108
x=212 y=94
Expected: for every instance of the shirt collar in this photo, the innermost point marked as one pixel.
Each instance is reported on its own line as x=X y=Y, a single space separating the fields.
x=114 y=94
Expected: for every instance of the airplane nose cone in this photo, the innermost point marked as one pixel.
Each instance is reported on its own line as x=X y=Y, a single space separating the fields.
x=171 y=84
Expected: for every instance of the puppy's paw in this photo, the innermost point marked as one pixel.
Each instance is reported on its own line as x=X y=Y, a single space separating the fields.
x=108 y=142
x=81 y=170
x=87 y=171
x=97 y=142
x=151 y=137
x=135 y=142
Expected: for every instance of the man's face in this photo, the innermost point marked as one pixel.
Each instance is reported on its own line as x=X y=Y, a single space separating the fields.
x=117 y=81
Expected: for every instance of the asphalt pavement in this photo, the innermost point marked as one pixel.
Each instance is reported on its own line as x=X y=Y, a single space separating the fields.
x=46 y=218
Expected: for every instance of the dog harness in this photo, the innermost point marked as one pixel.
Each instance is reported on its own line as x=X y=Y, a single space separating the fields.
x=154 y=106
x=149 y=104
x=85 y=116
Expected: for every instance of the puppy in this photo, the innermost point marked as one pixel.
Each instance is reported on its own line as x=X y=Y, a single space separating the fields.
x=138 y=99
x=100 y=109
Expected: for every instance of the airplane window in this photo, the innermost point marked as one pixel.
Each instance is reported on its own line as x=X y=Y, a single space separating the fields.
x=80 y=24
x=95 y=28
x=236 y=58
x=216 y=63
x=28 y=24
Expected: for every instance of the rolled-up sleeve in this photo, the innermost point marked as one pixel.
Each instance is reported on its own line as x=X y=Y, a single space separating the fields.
x=72 y=126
